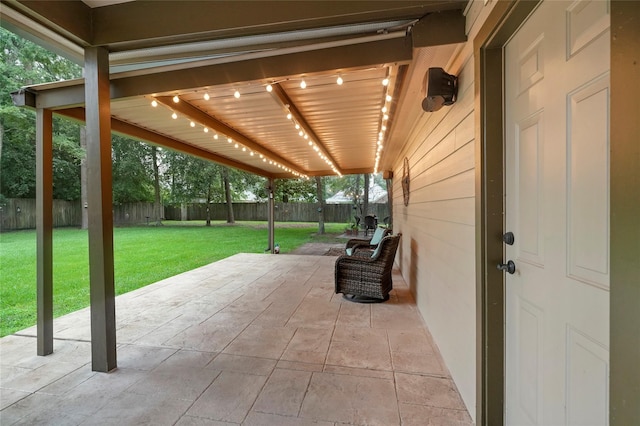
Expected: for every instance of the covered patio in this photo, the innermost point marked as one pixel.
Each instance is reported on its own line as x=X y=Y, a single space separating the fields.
x=252 y=339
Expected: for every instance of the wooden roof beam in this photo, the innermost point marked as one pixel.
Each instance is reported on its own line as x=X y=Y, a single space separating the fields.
x=438 y=28
x=199 y=116
x=139 y=133
x=279 y=93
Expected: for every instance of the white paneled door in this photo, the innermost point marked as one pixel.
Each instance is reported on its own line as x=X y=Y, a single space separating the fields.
x=557 y=206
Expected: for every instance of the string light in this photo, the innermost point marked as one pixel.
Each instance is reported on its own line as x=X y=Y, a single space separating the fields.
x=303 y=84
x=236 y=94
x=192 y=124
x=339 y=81
x=269 y=88
x=385 y=82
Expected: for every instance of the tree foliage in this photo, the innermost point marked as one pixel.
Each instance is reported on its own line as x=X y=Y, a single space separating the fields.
x=132 y=171
x=24 y=63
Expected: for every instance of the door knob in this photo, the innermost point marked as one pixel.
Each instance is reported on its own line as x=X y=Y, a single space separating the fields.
x=509 y=267
x=508 y=238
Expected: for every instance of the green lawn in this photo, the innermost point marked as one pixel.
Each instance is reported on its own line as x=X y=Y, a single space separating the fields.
x=142 y=255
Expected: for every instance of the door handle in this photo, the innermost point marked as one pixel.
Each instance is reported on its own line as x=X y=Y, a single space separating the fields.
x=509 y=267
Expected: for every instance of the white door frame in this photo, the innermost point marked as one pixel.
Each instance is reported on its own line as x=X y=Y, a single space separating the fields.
x=503 y=21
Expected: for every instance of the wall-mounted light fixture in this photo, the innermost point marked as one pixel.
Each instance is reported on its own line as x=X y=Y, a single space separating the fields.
x=439 y=89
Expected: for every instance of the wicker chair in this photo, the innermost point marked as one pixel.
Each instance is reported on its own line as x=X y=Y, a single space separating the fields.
x=370 y=222
x=362 y=243
x=365 y=276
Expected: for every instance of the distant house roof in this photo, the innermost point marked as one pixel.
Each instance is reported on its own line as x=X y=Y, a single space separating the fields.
x=376 y=195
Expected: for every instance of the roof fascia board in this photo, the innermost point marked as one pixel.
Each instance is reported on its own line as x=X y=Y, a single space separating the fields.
x=71 y=19
x=438 y=28
x=396 y=50
x=27 y=28
x=145 y=135
x=189 y=21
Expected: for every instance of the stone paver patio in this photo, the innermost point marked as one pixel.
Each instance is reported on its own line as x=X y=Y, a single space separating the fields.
x=254 y=340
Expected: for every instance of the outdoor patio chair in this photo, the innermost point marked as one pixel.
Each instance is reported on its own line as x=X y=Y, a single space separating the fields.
x=370 y=222
x=365 y=276
x=363 y=243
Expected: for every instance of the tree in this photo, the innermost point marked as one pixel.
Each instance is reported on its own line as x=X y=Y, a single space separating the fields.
x=227 y=195
x=157 y=207
x=320 y=192
x=131 y=171
x=24 y=63
x=192 y=178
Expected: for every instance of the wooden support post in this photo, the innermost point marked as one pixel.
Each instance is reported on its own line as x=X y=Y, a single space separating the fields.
x=271 y=215
x=102 y=294
x=44 y=230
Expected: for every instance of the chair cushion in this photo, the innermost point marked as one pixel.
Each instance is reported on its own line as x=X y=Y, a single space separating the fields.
x=377 y=236
x=376 y=251
x=349 y=251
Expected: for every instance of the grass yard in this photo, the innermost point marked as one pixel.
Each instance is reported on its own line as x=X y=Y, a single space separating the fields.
x=142 y=255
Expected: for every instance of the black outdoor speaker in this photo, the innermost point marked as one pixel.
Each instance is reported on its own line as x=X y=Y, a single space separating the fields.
x=440 y=89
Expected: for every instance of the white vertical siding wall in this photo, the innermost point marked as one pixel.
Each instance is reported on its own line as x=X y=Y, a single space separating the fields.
x=437 y=253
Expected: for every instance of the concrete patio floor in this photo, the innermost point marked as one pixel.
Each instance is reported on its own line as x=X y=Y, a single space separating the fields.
x=254 y=339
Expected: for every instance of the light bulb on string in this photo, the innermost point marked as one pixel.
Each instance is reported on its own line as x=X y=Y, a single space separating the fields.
x=206 y=130
x=215 y=136
x=206 y=96
x=176 y=99
x=303 y=84
x=192 y=124
x=385 y=82
x=269 y=88
x=339 y=81
x=236 y=94
x=154 y=103
x=174 y=116
x=388 y=98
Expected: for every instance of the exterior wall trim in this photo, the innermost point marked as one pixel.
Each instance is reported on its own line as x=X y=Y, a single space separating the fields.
x=624 y=383
x=501 y=24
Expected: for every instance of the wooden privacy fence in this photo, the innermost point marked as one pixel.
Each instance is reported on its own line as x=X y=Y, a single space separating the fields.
x=284 y=212
x=21 y=213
